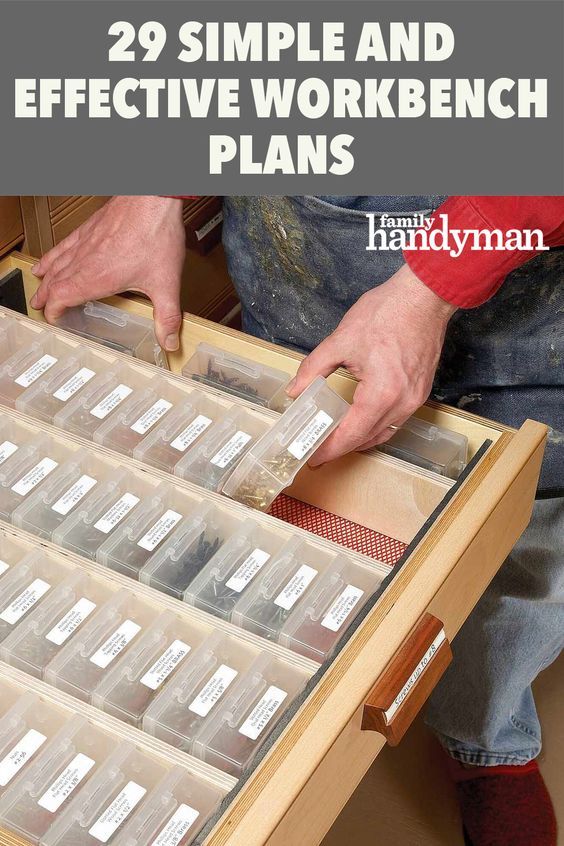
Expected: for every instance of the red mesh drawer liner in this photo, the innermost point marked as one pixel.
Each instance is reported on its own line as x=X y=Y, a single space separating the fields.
x=337 y=529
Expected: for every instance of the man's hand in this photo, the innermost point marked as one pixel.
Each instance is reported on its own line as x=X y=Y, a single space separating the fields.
x=130 y=244
x=390 y=340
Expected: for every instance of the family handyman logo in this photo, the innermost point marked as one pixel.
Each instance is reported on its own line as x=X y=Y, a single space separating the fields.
x=387 y=232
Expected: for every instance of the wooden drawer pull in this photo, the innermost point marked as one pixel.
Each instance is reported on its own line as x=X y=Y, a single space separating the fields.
x=408 y=680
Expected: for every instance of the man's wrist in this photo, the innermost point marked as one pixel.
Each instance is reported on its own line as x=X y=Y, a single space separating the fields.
x=417 y=294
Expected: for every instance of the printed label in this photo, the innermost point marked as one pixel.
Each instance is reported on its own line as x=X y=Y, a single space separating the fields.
x=299 y=582
x=152 y=416
x=207 y=227
x=74 y=384
x=116 y=513
x=163 y=666
x=34 y=476
x=189 y=435
x=309 y=435
x=66 y=783
x=248 y=570
x=29 y=376
x=68 y=624
x=341 y=608
x=3 y=567
x=110 y=402
x=213 y=690
x=116 y=813
x=178 y=825
x=160 y=530
x=19 y=755
x=26 y=600
x=7 y=449
x=415 y=676
x=115 y=644
x=231 y=449
x=263 y=712
x=74 y=494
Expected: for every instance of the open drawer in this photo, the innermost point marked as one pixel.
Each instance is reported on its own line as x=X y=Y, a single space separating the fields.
x=457 y=537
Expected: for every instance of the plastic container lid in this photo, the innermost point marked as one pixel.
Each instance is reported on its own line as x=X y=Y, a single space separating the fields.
x=13 y=435
x=14 y=336
x=271 y=464
x=45 y=355
x=115 y=328
x=429 y=446
x=239 y=376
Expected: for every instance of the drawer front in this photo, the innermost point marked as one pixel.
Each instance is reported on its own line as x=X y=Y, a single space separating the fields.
x=11 y=225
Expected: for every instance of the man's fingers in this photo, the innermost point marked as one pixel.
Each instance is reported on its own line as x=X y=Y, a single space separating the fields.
x=46 y=263
x=65 y=293
x=323 y=361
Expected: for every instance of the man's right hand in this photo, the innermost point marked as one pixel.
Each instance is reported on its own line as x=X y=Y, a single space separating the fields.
x=130 y=244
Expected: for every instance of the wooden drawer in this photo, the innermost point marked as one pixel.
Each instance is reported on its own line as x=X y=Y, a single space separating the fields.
x=298 y=788
x=11 y=225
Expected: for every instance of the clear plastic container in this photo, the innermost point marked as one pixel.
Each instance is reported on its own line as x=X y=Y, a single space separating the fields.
x=89 y=526
x=45 y=355
x=27 y=471
x=46 y=397
x=116 y=329
x=239 y=376
x=230 y=738
x=273 y=462
x=181 y=708
x=276 y=593
x=429 y=446
x=10 y=692
x=69 y=487
x=15 y=336
x=83 y=662
x=152 y=662
x=12 y=436
x=124 y=430
x=29 y=725
x=100 y=810
x=220 y=449
x=181 y=558
x=100 y=399
x=45 y=790
x=231 y=571
x=131 y=546
x=55 y=622
x=318 y=623
x=180 y=431
x=26 y=586
x=12 y=552
x=174 y=817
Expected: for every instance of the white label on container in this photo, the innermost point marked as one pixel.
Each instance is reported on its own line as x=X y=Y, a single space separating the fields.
x=263 y=712
x=29 y=376
x=74 y=494
x=116 y=513
x=3 y=567
x=299 y=582
x=152 y=416
x=34 y=476
x=213 y=690
x=231 y=449
x=115 y=644
x=68 y=624
x=26 y=600
x=178 y=825
x=310 y=434
x=7 y=449
x=207 y=227
x=20 y=755
x=74 y=384
x=248 y=570
x=341 y=608
x=160 y=530
x=163 y=666
x=190 y=433
x=111 y=401
x=66 y=783
x=116 y=813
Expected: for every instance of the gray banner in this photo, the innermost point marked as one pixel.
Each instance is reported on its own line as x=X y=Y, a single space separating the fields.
x=58 y=40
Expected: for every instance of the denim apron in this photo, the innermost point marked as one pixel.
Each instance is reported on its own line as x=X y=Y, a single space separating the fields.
x=299 y=263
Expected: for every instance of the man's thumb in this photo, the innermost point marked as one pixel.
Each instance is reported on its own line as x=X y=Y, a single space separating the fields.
x=168 y=319
x=323 y=361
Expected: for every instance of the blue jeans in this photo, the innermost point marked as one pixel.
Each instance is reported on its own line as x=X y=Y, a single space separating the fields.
x=298 y=264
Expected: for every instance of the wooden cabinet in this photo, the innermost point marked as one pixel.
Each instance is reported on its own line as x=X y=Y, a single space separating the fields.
x=457 y=538
x=11 y=224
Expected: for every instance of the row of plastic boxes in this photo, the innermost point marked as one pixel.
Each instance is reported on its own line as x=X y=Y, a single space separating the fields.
x=65 y=780
x=199 y=689
x=265 y=579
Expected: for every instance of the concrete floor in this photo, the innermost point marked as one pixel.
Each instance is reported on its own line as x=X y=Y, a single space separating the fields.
x=406 y=798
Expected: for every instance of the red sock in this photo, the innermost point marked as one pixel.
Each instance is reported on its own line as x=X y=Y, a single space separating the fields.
x=505 y=805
